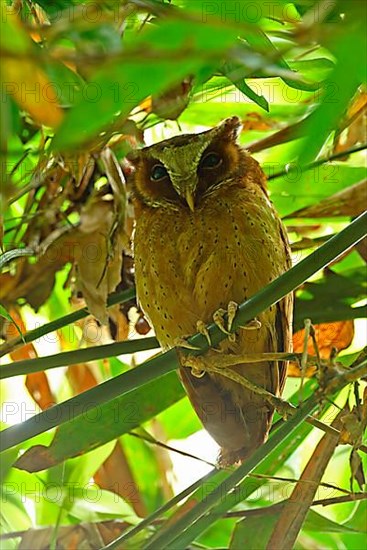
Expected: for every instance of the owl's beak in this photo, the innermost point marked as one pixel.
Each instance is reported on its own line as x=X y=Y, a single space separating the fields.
x=190 y=200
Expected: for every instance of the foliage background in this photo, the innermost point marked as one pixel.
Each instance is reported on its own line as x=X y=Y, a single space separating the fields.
x=82 y=84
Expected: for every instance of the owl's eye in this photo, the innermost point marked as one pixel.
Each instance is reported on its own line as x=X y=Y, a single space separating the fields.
x=211 y=160
x=158 y=172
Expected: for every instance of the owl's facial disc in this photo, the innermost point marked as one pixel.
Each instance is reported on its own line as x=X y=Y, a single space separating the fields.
x=180 y=160
x=184 y=168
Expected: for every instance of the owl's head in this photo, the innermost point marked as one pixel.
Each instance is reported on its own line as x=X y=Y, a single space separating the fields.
x=183 y=170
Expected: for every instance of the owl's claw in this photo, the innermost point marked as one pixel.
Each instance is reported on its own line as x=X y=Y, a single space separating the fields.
x=218 y=319
x=254 y=324
x=201 y=328
x=196 y=365
x=231 y=310
x=182 y=343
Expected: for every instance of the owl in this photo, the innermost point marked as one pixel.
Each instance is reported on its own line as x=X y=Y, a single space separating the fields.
x=207 y=234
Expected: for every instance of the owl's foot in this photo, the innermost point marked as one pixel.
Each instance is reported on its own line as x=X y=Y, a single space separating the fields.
x=218 y=319
x=221 y=364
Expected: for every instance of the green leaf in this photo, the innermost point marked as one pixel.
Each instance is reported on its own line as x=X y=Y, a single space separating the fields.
x=94 y=504
x=321 y=524
x=301 y=188
x=317 y=69
x=108 y=421
x=67 y=84
x=358 y=520
x=179 y=421
x=253 y=532
x=251 y=94
x=158 y=58
x=338 y=91
x=331 y=298
x=260 y=42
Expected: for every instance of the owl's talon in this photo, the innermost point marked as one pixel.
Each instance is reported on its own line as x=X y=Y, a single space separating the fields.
x=218 y=319
x=232 y=311
x=182 y=343
x=254 y=324
x=201 y=328
x=197 y=372
x=195 y=364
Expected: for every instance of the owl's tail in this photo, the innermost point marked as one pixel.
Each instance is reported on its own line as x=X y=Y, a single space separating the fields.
x=236 y=418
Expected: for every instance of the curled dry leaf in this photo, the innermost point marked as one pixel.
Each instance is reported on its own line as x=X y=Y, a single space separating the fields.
x=337 y=335
x=98 y=260
x=36 y=383
x=171 y=103
x=255 y=121
x=88 y=536
x=102 y=232
x=352 y=129
x=354 y=423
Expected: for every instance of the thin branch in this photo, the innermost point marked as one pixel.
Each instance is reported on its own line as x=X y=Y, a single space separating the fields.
x=10 y=255
x=339 y=500
x=319 y=162
x=30 y=336
x=277 y=507
x=294 y=480
x=154 y=441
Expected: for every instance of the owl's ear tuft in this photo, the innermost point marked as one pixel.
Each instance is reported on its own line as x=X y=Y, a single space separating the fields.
x=230 y=128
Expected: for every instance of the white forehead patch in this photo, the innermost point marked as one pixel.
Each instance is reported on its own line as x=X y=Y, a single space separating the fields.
x=182 y=159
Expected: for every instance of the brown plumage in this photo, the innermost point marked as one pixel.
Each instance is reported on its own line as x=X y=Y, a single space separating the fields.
x=206 y=233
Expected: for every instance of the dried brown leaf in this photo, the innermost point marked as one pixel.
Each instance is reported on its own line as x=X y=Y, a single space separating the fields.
x=39 y=388
x=116 y=475
x=356 y=468
x=352 y=129
x=35 y=459
x=99 y=260
x=338 y=334
x=171 y=103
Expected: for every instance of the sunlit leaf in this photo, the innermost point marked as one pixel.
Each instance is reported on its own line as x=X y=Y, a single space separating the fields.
x=104 y=423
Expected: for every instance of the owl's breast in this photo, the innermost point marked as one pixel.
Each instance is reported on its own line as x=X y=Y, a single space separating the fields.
x=189 y=264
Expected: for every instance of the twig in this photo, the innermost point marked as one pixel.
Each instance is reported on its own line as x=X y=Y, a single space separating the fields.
x=319 y=162
x=154 y=441
x=16 y=253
